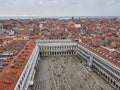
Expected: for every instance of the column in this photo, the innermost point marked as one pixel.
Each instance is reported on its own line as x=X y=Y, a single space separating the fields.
x=74 y=53
x=55 y=48
x=90 y=61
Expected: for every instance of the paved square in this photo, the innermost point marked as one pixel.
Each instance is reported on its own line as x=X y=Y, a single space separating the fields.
x=66 y=73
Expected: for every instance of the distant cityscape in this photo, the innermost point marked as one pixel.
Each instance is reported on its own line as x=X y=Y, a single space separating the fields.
x=58 y=17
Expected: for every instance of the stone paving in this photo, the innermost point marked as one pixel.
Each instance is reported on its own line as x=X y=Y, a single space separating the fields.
x=39 y=85
x=67 y=73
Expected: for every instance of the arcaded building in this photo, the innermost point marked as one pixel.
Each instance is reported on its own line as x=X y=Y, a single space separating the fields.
x=21 y=71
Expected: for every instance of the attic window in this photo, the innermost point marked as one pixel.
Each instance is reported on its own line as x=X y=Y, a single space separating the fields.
x=119 y=61
x=103 y=54
x=97 y=50
x=12 y=65
x=110 y=57
x=107 y=55
x=114 y=59
x=100 y=52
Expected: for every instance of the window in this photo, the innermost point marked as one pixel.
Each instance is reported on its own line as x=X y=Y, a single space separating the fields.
x=23 y=78
x=21 y=82
x=19 y=86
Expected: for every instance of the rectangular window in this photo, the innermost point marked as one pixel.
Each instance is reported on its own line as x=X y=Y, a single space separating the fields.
x=19 y=86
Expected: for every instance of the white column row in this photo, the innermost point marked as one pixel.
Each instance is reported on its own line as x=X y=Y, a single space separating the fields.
x=57 y=50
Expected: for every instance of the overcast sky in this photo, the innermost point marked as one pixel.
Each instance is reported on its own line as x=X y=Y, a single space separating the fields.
x=60 y=7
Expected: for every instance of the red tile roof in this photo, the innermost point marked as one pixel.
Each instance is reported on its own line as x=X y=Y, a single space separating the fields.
x=104 y=53
x=10 y=76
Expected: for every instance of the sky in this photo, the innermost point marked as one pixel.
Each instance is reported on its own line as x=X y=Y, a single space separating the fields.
x=59 y=7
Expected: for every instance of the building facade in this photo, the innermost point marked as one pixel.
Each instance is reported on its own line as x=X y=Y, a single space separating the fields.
x=104 y=68
x=28 y=72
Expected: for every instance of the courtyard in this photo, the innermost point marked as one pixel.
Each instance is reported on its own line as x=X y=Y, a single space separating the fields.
x=66 y=73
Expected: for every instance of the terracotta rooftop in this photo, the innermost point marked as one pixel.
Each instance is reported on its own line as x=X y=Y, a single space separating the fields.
x=104 y=53
x=10 y=76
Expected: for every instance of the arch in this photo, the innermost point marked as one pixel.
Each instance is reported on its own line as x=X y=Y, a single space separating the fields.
x=54 y=53
x=106 y=76
x=72 y=53
x=103 y=74
x=111 y=81
x=60 y=53
x=116 y=86
x=114 y=83
x=40 y=54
